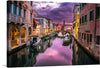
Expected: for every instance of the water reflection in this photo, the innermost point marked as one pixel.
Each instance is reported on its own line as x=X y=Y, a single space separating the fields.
x=27 y=56
x=21 y=58
x=54 y=54
x=57 y=54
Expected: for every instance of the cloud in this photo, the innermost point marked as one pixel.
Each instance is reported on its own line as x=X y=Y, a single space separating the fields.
x=56 y=11
x=55 y=55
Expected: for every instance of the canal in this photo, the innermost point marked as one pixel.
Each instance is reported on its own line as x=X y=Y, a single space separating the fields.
x=51 y=52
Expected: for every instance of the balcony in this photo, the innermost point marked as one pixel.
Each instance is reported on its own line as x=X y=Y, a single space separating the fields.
x=15 y=18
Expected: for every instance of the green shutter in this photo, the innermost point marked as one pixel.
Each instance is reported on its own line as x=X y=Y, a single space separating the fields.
x=85 y=18
x=80 y=20
x=92 y=14
x=34 y=15
x=19 y=11
x=8 y=7
x=97 y=12
x=14 y=9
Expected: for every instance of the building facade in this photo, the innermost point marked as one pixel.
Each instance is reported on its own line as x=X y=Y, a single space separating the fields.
x=19 y=23
x=76 y=20
x=36 y=23
x=55 y=27
x=44 y=25
x=89 y=28
x=68 y=27
x=51 y=26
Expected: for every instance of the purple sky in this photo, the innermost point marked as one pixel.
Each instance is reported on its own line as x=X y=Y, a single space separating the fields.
x=55 y=55
x=57 y=11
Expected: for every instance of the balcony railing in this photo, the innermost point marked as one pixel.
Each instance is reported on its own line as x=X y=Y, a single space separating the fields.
x=15 y=18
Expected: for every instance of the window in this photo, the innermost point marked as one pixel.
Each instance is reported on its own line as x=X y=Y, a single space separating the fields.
x=8 y=7
x=87 y=38
x=98 y=40
x=83 y=4
x=80 y=20
x=84 y=36
x=41 y=20
x=97 y=12
x=46 y=21
x=19 y=11
x=90 y=37
x=91 y=15
x=14 y=9
x=31 y=3
x=85 y=18
x=79 y=34
x=34 y=15
x=24 y=12
x=78 y=9
x=31 y=16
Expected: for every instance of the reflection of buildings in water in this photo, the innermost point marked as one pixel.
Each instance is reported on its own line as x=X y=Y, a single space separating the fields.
x=21 y=58
x=76 y=53
x=55 y=55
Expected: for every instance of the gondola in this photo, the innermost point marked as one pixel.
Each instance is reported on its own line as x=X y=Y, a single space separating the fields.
x=34 y=44
x=66 y=40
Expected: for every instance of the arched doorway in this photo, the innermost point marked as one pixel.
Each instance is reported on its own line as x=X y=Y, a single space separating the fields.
x=23 y=35
x=14 y=37
x=29 y=33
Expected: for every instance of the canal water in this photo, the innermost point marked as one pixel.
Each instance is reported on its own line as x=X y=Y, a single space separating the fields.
x=55 y=55
x=26 y=57
x=51 y=52
x=21 y=58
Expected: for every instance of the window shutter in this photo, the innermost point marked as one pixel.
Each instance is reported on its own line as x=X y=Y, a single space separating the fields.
x=8 y=7
x=92 y=14
x=14 y=9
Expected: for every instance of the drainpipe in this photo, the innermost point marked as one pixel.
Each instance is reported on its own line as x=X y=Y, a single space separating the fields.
x=95 y=31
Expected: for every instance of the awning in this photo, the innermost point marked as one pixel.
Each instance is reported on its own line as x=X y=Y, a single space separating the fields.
x=46 y=38
x=52 y=34
x=34 y=36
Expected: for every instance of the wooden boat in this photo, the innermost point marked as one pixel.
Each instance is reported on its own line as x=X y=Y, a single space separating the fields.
x=66 y=40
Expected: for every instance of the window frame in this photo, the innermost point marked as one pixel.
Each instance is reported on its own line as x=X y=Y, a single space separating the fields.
x=91 y=15
x=90 y=37
x=82 y=19
x=24 y=13
x=8 y=7
x=98 y=40
x=85 y=18
x=19 y=11
x=14 y=7
x=97 y=13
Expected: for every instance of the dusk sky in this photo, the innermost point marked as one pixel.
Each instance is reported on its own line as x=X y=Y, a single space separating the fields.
x=56 y=11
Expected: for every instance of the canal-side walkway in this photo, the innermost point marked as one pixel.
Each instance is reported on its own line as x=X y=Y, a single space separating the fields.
x=55 y=55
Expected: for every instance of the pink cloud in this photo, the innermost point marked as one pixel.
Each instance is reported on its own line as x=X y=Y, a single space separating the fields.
x=55 y=55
